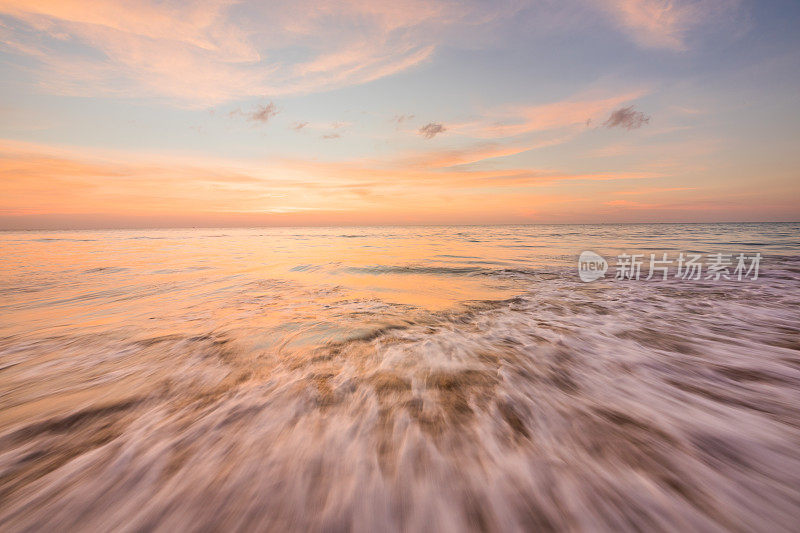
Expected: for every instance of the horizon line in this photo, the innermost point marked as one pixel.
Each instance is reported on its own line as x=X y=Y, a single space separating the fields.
x=420 y=225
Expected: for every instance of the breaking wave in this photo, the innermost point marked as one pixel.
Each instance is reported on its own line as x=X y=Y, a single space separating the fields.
x=567 y=406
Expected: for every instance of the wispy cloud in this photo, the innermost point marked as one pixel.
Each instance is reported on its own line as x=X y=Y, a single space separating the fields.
x=511 y=121
x=476 y=152
x=400 y=119
x=656 y=190
x=297 y=126
x=203 y=53
x=262 y=113
x=431 y=130
x=511 y=130
x=665 y=23
x=88 y=181
x=50 y=181
x=626 y=117
x=631 y=204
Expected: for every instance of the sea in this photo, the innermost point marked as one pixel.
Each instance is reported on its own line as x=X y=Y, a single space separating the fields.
x=401 y=379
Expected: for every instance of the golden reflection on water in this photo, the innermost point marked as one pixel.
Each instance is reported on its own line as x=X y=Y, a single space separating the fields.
x=394 y=379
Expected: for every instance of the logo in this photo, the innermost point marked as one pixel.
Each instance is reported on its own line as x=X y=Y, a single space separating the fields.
x=591 y=266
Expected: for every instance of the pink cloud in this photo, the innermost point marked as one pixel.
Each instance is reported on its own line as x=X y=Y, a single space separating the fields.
x=204 y=53
x=664 y=23
x=518 y=120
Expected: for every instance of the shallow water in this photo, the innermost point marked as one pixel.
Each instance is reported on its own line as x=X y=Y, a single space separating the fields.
x=396 y=379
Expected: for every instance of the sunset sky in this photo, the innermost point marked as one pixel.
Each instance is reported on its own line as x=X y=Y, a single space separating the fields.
x=214 y=113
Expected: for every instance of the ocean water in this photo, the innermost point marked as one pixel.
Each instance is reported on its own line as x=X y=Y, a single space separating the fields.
x=396 y=379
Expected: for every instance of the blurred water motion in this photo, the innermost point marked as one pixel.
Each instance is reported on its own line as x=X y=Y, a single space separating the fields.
x=395 y=379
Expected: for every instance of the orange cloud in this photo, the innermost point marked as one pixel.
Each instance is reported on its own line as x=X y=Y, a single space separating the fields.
x=44 y=179
x=53 y=185
x=655 y=190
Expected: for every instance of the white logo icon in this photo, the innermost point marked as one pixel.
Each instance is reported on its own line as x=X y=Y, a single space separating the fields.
x=591 y=266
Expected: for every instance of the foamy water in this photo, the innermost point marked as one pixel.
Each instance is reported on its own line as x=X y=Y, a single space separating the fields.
x=396 y=379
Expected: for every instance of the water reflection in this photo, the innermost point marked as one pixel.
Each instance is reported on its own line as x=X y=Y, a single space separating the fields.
x=437 y=378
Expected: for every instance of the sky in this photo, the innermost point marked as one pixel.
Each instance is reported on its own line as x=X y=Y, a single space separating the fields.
x=239 y=113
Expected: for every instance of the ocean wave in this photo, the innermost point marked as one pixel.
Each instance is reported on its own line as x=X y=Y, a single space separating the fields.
x=622 y=406
x=238 y=399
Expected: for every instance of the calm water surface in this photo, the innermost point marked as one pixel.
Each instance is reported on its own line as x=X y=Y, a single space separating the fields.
x=396 y=379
